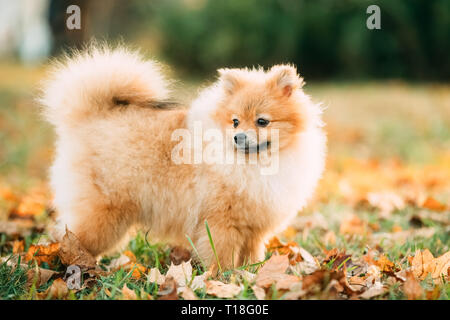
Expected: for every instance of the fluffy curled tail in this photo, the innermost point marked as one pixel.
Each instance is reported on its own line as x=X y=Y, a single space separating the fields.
x=88 y=84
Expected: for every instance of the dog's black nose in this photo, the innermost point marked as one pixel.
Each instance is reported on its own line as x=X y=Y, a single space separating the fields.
x=240 y=138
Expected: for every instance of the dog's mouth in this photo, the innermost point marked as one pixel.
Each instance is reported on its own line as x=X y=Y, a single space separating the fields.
x=254 y=148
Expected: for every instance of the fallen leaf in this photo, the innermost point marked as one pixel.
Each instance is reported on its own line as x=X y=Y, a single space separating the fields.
x=199 y=282
x=222 y=290
x=119 y=262
x=308 y=265
x=432 y=204
x=58 y=290
x=296 y=292
x=433 y=294
x=353 y=225
x=43 y=253
x=385 y=264
x=18 y=246
x=259 y=292
x=424 y=263
x=188 y=294
x=32 y=204
x=72 y=252
x=155 y=276
x=128 y=294
x=168 y=290
x=130 y=255
x=39 y=276
x=386 y=201
x=291 y=249
x=376 y=290
x=412 y=287
x=337 y=259
x=272 y=270
x=329 y=238
x=138 y=270
x=181 y=273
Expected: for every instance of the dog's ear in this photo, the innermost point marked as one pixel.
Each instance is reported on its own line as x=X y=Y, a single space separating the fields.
x=229 y=79
x=285 y=79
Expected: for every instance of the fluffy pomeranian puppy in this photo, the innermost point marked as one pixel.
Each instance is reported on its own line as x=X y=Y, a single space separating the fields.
x=114 y=166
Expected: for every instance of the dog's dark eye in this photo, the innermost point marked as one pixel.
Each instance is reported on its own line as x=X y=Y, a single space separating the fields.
x=262 y=122
x=235 y=123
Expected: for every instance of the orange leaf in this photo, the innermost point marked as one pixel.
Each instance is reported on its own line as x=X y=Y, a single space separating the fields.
x=432 y=204
x=18 y=246
x=411 y=287
x=139 y=270
x=42 y=253
x=291 y=249
x=353 y=225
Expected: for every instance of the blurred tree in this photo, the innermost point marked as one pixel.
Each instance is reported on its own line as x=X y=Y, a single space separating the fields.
x=325 y=38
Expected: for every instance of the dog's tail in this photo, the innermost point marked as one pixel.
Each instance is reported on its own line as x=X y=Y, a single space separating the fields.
x=91 y=83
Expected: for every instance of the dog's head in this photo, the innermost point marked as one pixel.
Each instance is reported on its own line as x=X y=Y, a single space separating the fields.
x=256 y=103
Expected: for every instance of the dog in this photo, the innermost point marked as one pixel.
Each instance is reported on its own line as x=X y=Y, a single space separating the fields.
x=114 y=165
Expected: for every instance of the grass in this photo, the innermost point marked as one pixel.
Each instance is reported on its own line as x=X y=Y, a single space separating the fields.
x=382 y=136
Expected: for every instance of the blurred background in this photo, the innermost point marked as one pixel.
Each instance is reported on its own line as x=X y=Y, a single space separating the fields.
x=386 y=92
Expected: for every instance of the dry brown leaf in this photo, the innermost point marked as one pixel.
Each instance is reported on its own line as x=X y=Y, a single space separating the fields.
x=199 y=282
x=155 y=275
x=188 y=294
x=72 y=252
x=424 y=263
x=376 y=290
x=296 y=292
x=58 y=290
x=128 y=294
x=39 y=276
x=222 y=290
x=271 y=270
x=286 y=281
x=412 y=287
x=181 y=273
x=168 y=290
x=259 y=292
x=432 y=204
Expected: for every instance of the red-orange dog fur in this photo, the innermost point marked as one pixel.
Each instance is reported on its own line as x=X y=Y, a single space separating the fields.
x=113 y=168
